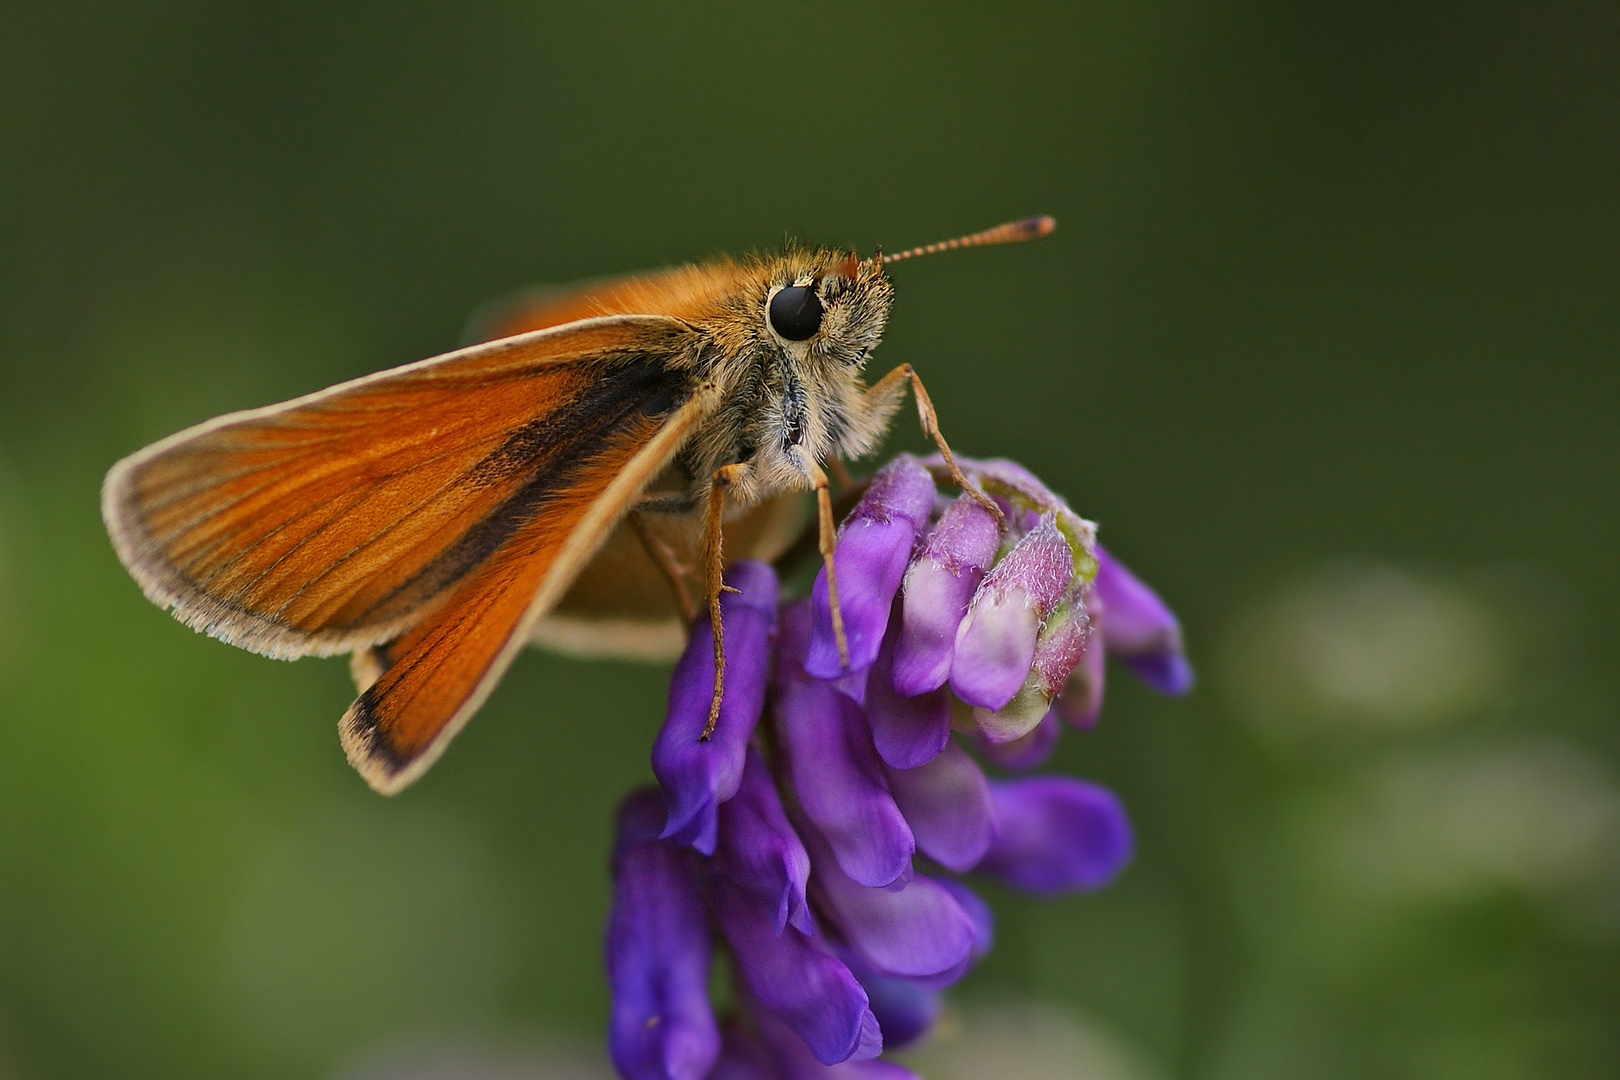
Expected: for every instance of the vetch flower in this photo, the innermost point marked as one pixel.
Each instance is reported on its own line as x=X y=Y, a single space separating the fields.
x=947 y=802
x=792 y=1059
x=907 y=730
x=838 y=779
x=699 y=774
x=905 y=1012
x=978 y=913
x=874 y=547
x=657 y=954
x=916 y=931
x=820 y=829
x=1057 y=834
x=794 y=977
x=1131 y=623
x=760 y=852
x=1139 y=629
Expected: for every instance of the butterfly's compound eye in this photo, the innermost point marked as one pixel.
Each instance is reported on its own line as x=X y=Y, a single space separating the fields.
x=796 y=312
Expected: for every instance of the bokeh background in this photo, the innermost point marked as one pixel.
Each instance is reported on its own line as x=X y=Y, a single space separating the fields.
x=1327 y=342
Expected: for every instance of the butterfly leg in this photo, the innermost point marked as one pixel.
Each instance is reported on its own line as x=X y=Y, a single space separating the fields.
x=667 y=561
x=886 y=387
x=714 y=561
x=827 y=535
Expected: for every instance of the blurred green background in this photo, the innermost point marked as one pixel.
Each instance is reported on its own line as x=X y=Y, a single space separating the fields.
x=1326 y=341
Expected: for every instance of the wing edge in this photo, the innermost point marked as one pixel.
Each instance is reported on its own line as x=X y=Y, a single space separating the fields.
x=166 y=586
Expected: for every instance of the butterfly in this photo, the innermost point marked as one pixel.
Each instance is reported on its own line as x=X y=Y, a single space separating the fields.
x=543 y=484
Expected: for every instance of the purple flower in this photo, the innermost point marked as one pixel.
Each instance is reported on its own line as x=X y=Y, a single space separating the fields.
x=839 y=780
x=905 y=1012
x=699 y=774
x=978 y=913
x=760 y=852
x=874 y=546
x=947 y=802
x=907 y=730
x=793 y=828
x=915 y=931
x=793 y=1059
x=657 y=954
x=797 y=979
x=1139 y=629
x=1057 y=834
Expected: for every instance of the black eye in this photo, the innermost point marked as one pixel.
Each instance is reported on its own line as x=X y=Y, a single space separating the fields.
x=796 y=312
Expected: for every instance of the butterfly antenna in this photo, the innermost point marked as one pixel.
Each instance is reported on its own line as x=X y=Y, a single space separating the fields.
x=1013 y=232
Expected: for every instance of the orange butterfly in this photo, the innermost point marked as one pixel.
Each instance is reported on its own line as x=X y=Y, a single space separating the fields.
x=434 y=518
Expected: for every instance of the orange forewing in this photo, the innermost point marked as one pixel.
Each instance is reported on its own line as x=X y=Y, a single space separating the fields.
x=424 y=686
x=338 y=520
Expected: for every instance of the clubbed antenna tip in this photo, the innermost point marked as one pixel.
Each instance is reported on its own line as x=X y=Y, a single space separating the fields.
x=1013 y=232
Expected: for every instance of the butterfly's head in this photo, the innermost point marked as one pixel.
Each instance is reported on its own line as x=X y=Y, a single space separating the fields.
x=826 y=307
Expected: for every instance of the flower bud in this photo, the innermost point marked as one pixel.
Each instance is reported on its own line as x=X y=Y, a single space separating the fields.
x=1058 y=648
x=1081 y=698
x=995 y=644
x=938 y=587
x=1030 y=749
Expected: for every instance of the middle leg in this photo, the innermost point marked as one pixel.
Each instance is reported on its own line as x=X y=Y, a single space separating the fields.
x=714 y=582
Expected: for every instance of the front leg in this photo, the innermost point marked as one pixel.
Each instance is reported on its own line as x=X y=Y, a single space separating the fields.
x=885 y=390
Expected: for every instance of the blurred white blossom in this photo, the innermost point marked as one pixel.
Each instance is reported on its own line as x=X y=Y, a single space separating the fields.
x=544 y=1060
x=1028 y=1041
x=1531 y=814
x=1368 y=647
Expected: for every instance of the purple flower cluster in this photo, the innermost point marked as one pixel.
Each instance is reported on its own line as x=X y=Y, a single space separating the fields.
x=790 y=836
